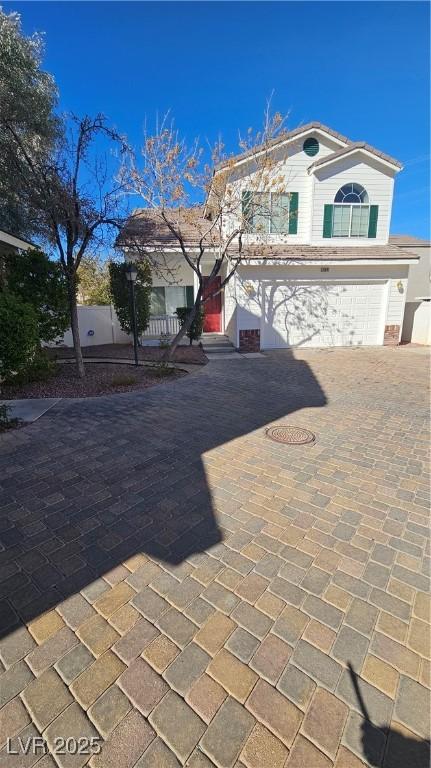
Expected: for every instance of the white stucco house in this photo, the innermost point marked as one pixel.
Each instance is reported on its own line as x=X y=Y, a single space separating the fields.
x=325 y=273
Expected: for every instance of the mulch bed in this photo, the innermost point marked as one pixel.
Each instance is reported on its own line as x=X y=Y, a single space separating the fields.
x=183 y=354
x=100 y=379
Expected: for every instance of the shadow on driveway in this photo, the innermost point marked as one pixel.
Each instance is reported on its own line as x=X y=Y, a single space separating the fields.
x=98 y=480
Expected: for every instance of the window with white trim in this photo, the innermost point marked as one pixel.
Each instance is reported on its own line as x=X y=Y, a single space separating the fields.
x=351 y=212
x=166 y=299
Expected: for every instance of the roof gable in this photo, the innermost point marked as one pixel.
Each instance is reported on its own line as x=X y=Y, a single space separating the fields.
x=357 y=147
x=284 y=138
x=346 y=147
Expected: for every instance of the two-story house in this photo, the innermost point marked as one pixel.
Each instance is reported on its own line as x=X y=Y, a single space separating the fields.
x=319 y=270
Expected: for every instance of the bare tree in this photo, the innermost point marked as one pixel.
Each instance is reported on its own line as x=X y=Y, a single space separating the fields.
x=169 y=176
x=77 y=198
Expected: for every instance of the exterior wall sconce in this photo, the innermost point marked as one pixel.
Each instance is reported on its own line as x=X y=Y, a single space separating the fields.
x=400 y=286
x=249 y=289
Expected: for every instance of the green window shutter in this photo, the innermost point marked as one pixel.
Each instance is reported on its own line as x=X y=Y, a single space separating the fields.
x=372 y=223
x=327 y=221
x=190 y=295
x=247 y=211
x=293 y=213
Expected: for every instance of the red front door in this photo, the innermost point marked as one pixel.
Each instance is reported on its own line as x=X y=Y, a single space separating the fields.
x=212 y=307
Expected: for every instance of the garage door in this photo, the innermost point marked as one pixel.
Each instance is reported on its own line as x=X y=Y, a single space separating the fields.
x=322 y=314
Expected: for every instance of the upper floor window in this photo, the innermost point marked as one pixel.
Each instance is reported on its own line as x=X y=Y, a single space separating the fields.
x=270 y=212
x=351 y=212
x=351 y=193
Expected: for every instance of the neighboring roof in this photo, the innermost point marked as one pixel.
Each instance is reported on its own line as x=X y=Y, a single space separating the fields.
x=354 y=146
x=13 y=240
x=402 y=240
x=323 y=253
x=146 y=228
x=282 y=137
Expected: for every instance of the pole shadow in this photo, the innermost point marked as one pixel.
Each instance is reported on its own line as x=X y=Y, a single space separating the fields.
x=400 y=750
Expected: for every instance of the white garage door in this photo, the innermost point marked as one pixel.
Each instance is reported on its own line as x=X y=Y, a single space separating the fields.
x=322 y=314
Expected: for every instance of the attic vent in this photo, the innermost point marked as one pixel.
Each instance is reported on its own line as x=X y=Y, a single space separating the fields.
x=311 y=147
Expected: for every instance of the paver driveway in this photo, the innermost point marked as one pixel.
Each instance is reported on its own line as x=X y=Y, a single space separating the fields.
x=191 y=592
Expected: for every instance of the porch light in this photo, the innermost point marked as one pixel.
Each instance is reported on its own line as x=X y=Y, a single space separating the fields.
x=131 y=273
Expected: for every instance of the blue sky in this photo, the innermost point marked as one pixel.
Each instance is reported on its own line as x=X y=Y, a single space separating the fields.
x=360 y=67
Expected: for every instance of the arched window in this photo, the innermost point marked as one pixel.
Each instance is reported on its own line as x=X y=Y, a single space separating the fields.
x=351 y=193
x=351 y=214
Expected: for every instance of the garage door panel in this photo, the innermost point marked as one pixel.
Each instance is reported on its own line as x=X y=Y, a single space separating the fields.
x=322 y=314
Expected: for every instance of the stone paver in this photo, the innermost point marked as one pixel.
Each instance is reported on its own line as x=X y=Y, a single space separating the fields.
x=46 y=697
x=178 y=725
x=96 y=679
x=324 y=721
x=143 y=686
x=108 y=710
x=237 y=678
x=192 y=593
x=72 y=724
x=186 y=668
x=227 y=733
x=263 y=750
x=73 y=663
x=275 y=711
x=206 y=697
x=126 y=743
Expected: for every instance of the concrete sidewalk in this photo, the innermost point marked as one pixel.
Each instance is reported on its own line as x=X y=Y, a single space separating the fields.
x=30 y=409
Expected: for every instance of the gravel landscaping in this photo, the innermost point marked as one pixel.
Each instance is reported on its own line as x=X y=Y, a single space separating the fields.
x=101 y=379
x=183 y=354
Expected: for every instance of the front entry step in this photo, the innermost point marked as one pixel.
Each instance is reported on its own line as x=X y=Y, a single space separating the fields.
x=217 y=343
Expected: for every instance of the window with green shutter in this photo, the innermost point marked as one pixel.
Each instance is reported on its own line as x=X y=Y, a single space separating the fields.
x=293 y=213
x=327 y=220
x=273 y=213
x=351 y=215
x=190 y=296
x=372 y=224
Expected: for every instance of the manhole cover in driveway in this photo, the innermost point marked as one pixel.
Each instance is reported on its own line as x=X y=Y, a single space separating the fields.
x=286 y=433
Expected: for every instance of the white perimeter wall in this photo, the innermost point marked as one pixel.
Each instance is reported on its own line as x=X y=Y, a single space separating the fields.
x=103 y=321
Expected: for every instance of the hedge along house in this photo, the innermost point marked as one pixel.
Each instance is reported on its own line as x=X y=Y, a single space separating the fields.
x=317 y=271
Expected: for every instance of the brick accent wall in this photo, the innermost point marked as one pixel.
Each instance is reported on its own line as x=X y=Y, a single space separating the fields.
x=392 y=335
x=249 y=341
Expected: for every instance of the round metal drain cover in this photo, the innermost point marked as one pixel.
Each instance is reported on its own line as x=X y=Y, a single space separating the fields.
x=286 y=433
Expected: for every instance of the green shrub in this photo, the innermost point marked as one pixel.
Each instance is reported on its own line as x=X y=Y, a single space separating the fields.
x=40 y=368
x=19 y=338
x=40 y=282
x=120 y=292
x=123 y=380
x=195 y=331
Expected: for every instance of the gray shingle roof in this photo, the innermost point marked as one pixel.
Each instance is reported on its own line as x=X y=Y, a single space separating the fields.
x=351 y=147
x=146 y=228
x=323 y=253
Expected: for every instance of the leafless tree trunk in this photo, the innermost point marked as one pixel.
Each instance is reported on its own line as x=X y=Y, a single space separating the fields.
x=74 y=324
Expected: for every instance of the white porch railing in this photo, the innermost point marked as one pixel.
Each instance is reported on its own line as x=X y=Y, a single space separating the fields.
x=162 y=324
